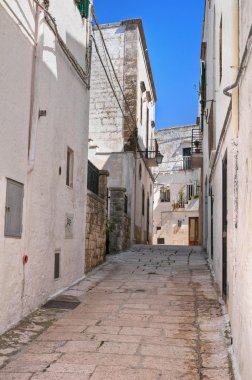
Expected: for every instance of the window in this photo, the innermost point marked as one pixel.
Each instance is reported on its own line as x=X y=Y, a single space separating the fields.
x=141 y=110
x=147 y=130
x=140 y=171
x=165 y=194
x=83 y=6
x=69 y=169
x=143 y=200
x=220 y=50
x=190 y=191
x=160 y=240
x=125 y=204
x=57 y=265
x=186 y=158
x=158 y=228
x=14 y=209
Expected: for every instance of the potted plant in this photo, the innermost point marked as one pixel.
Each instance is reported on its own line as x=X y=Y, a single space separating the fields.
x=197 y=144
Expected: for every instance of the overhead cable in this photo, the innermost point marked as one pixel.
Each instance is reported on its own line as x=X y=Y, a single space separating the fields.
x=53 y=26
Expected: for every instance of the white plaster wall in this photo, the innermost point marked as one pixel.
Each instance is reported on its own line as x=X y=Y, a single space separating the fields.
x=59 y=91
x=239 y=301
x=241 y=306
x=14 y=123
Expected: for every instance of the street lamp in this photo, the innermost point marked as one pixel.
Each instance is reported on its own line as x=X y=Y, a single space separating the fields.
x=157 y=155
x=159 y=158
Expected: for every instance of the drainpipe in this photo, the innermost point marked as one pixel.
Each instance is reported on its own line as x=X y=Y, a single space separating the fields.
x=241 y=67
x=30 y=166
x=234 y=66
x=33 y=109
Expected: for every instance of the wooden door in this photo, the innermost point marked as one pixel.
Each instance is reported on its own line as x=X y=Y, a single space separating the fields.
x=194 y=231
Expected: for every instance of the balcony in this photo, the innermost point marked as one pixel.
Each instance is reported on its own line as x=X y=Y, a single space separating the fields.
x=152 y=155
x=197 y=149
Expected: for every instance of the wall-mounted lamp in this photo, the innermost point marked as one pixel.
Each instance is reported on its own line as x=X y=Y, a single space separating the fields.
x=154 y=154
x=159 y=158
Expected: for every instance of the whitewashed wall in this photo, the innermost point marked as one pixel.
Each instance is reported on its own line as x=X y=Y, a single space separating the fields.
x=59 y=91
x=237 y=144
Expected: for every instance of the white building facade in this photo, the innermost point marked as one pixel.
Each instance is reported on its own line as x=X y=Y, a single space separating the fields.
x=44 y=112
x=177 y=190
x=122 y=121
x=226 y=113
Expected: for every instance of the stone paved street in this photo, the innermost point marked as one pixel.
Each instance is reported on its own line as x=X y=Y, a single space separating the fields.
x=147 y=314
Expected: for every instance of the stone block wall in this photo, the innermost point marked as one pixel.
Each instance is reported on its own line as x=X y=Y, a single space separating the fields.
x=96 y=221
x=119 y=237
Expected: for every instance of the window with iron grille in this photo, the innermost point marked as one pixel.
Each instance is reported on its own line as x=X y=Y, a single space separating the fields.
x=14 y=209
x=160 y=240
x=93 y=178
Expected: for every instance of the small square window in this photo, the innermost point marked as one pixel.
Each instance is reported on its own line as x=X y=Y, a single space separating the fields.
x=160 y=240
x=69 y=168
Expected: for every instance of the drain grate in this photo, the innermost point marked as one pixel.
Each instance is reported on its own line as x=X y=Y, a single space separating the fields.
x=62 y=302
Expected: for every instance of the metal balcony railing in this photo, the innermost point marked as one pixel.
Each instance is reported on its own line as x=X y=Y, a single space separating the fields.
x=186 y=163
x=197 y=140
x=93 y=178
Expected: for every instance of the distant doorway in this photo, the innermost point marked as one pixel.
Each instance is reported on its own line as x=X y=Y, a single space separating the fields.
x=193 y=231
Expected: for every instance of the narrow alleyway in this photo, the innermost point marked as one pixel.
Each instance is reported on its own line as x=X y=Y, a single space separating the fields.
x=147 y=314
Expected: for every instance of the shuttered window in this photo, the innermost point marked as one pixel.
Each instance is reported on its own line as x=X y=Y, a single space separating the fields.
x=83 y=6
x=13 y=209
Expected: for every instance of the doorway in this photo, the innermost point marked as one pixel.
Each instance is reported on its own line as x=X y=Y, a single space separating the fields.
x=148 y=219
x=212 y=199
x=224 y=227
x=194 y=231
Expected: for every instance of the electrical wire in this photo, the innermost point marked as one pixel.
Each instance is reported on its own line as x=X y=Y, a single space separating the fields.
x=107 y=75
x=110 y=60
x=53 y=26
x=118 y=102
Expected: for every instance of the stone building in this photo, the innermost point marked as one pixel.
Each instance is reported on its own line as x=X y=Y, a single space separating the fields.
x=122 y=121
x=226 y=114
x=176 y=216
x=44 y=115
x=96 y=217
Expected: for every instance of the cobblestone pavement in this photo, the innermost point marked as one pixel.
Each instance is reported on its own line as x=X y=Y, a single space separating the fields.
x=146 y=314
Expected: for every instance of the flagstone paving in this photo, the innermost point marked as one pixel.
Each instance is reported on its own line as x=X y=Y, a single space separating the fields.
x=151 y=313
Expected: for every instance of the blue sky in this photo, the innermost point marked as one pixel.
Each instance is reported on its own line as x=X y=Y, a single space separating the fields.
x=173 y=34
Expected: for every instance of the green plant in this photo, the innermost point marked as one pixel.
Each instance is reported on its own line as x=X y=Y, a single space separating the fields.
x=196 y=143
x=181 y=197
